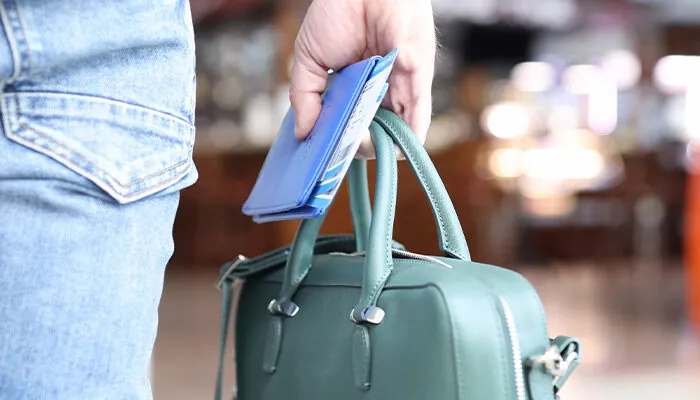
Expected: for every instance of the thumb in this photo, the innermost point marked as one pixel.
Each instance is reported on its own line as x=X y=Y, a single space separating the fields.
x=308 y=81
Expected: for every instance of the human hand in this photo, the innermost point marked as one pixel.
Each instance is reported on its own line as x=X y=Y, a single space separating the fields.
x=337 y=33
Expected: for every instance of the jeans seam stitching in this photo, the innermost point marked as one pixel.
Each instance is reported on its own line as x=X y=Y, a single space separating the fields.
x=160 y=114
x=24 y=38
x=12 y=41
x=92 y=165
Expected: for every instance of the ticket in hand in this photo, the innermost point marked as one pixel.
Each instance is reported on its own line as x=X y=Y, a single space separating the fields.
x=299 y=179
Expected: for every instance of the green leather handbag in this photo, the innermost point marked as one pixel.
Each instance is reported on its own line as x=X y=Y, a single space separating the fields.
x=359 y=317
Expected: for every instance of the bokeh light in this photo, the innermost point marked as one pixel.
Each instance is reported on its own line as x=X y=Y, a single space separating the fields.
x=506 y=120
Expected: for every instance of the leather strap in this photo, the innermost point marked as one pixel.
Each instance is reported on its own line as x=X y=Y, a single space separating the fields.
x=570 y=350
x=300 y=256
x=360 y=206
x=379 y=261
x=379 y=250
x=298 y=266
x=558 y=362
x=226 y=301
x=450 y=235
x=302 y=249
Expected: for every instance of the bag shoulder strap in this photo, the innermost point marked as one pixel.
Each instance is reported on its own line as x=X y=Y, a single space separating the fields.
x=226 y=303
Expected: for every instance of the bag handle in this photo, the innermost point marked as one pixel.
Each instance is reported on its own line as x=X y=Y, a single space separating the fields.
x=360 y=207
x=451 y=240
x=378 y=260
x=451 y=237
x=301 y=252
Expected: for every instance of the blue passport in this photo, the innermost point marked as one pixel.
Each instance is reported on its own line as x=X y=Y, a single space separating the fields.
x=299 y=179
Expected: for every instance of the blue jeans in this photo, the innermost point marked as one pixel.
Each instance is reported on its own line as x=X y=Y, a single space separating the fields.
x=97 y=108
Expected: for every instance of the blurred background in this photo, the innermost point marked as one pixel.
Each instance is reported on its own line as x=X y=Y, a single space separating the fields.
x=566 y=132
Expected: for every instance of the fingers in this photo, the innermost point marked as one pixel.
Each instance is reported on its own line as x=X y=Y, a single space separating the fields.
x=418 y=116
x=337 y=33
x=410 y=84
x=410 y=97
x=332 y=36
x=366 y=149
x=308 y=81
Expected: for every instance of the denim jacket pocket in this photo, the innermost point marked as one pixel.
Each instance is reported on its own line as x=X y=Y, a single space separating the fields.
x=128 y=151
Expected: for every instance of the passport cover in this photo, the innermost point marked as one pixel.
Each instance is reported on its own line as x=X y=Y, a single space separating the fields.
x=299 y=179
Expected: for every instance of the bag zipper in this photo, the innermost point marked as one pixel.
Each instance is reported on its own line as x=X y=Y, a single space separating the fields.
x=520 y=393
x=402 y=253
x=422 y=257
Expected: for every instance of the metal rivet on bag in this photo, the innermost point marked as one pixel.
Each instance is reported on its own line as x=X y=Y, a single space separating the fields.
x=372 y=314
x=286 y=308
